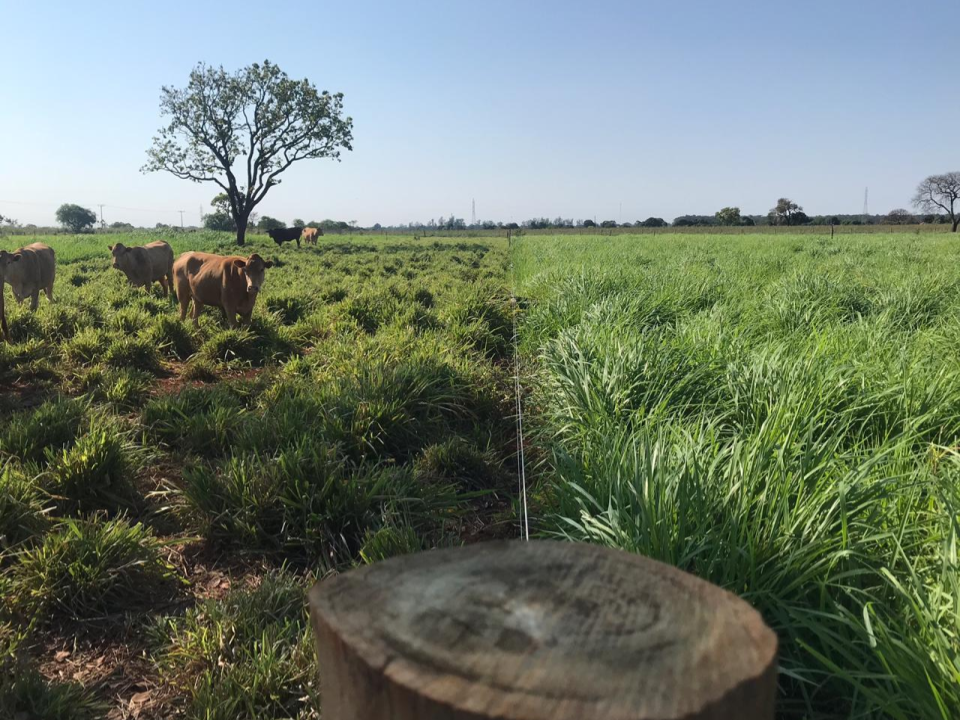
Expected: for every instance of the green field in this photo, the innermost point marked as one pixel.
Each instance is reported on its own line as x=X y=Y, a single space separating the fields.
x=166 y=494
x=778 y=414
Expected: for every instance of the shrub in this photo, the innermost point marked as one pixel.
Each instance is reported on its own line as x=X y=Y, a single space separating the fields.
x=86 y=347
x=172 y=337
x=51 y=426
x=92 y=474
x=124 y=388
x=424 y=297
x=255 y=345
x=334 y=295
x=460 y=462
x=86 y=568
x=484 y=322
x=200 y=420
x=393 y=408
x=128 y=320
x=22 y=515
x=200 y=370
x=133 y=352
x=26 y=694
x=61 y=322
x=24 y=326
x=307 y=504
x=388 y=542
x=288 y=308
x=249 y=655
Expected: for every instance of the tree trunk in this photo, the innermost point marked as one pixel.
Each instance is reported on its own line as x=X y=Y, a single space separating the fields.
x=241 y=229
x=4 y=332
x=956 y=222
x=538 y=631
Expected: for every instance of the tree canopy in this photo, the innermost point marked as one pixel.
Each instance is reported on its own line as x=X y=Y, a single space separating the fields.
x=269 y=223
x=75 y=218
x=242 y=130
x=654 y=222
x=729 y=216
x=900 y=216
x=787 y=212
x=940 y=193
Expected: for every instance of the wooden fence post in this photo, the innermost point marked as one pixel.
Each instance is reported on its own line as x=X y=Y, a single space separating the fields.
x=538 y=631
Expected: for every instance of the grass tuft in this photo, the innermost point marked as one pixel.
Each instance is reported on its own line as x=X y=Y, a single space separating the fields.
x=87 y=568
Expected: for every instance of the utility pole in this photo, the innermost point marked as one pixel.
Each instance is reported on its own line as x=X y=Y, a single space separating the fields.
x=101 y=215
x=201 y=216
x=181 y=218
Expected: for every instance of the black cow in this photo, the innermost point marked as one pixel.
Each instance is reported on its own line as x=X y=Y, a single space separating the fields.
x=282 y=235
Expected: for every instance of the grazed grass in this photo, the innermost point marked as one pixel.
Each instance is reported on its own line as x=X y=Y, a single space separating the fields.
x=777 y=415
x=301 y=441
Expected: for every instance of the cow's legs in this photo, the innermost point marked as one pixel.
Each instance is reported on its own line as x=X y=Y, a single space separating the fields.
x=49 y=291
x=183 y=295
x=197 y=309
x=245 y=318
x=35 y=299
x=164 y=285
x=230 y=315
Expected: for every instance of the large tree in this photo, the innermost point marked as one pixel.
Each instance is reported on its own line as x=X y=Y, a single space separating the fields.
x=75 y=218
x=242 y=130
x=900 y=216
x=787 y=212
x=940 y=193
x=729 y=216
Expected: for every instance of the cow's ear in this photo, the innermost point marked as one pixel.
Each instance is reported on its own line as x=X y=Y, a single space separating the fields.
x=16 y=257
x=126 y=249
x=111 y=247
x=268 y=263
x=240 y=263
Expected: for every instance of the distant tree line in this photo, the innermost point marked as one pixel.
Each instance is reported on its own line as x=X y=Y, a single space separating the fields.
x=937 y=199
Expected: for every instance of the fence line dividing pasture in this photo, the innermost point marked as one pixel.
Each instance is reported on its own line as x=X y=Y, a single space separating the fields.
x=521 y=460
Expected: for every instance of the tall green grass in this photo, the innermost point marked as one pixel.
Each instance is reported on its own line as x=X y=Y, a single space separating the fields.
x=361 y=415
x=778 y=416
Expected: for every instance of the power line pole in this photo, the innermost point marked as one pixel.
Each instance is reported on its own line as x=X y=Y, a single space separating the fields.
x=181 y=218
x=473 y=212
x=101 y=215
x=866 y=210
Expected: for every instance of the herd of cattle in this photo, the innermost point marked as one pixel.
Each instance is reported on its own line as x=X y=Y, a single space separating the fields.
x=282 y=235
x=230 y=283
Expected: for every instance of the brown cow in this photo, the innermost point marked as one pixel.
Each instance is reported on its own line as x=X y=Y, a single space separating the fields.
x=29 y=270
x=229 y=283
x=145 y=265
x=310 y=235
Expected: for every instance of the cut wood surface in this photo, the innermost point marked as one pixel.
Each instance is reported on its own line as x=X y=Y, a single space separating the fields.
x=537 y=631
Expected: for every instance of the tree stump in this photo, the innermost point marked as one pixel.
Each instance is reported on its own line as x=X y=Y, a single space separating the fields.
x=537 y=631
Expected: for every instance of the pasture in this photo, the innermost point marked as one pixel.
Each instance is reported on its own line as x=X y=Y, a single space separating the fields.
x=778 y=415
x=166 y=493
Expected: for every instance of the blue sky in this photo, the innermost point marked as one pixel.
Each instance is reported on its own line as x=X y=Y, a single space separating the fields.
x=531 y=108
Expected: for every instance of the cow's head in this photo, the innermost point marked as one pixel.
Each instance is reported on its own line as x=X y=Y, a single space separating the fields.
x=119 y=251
x=6 y=260
x=252 y=269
